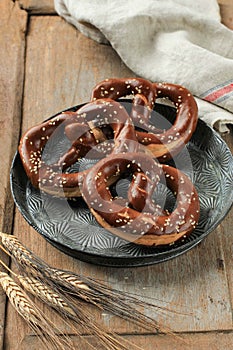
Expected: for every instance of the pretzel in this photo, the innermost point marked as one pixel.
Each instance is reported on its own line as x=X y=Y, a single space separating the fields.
x=137 y=218
x=163 y=144
x=89 y=132
x=50 y=177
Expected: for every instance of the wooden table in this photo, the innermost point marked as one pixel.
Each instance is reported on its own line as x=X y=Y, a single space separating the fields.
x=46 y=66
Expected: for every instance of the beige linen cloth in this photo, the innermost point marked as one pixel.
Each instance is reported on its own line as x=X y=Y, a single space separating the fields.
x=178 y=41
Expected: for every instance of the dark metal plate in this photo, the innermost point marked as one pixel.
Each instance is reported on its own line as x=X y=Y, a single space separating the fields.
x=70 y=226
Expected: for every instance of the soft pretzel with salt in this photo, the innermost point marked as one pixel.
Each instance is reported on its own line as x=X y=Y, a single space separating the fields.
x=140 y=220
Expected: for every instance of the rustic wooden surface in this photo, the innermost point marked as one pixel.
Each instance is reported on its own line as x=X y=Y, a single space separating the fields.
x=57 y=70
x=12 y=30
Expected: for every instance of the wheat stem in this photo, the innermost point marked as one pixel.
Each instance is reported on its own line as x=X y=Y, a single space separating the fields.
x=3 y=249
x=7 y=268
x=68 y=310
x=91 y=290
x=47 y=295
x=31 y=314
x=25 y=258
x=88 y=289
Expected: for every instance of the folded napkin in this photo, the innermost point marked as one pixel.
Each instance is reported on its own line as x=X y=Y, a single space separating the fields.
x=178 y=41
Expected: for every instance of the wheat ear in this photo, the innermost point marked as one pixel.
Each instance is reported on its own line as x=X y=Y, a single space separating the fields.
x=57 y=299
x=71 y=315
x=43 y=292
x=88 y=289
x=70 y=312
x=32 y=315
x=91 y=290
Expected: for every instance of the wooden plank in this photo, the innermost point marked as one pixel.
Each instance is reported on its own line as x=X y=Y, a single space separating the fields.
x=190 y=341
x=42 y=7
x=61 y=74
x=11 y=89
x=226 y=235
x=12 y=32
x=226 y=12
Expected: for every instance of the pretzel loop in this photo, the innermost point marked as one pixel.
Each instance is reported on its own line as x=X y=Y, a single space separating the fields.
x=163 y=144
x=142 y=222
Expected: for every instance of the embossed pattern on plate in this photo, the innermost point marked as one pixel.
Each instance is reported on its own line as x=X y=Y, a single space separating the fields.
x=70 y=226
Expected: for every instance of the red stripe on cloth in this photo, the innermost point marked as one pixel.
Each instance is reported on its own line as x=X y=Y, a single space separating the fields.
x=219 y=93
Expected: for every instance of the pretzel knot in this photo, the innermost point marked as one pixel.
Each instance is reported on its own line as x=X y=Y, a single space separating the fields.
x=164 y=144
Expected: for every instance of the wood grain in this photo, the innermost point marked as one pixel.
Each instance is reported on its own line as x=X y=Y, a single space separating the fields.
x=47 y=7
x=12 y=32
x=198 y=341
x=226 y=12
x=41 y=7
x=61 y=68
x=225 y=232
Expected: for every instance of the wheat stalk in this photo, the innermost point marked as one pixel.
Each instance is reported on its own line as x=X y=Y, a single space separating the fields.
x=40 y=290
x=43 y=292
x=71 y=315
x=55 y=297
x=91 y=290
x=22 y=255
x=113 y=301
x=79 y=287
x=32 y=315
x=69 y=311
